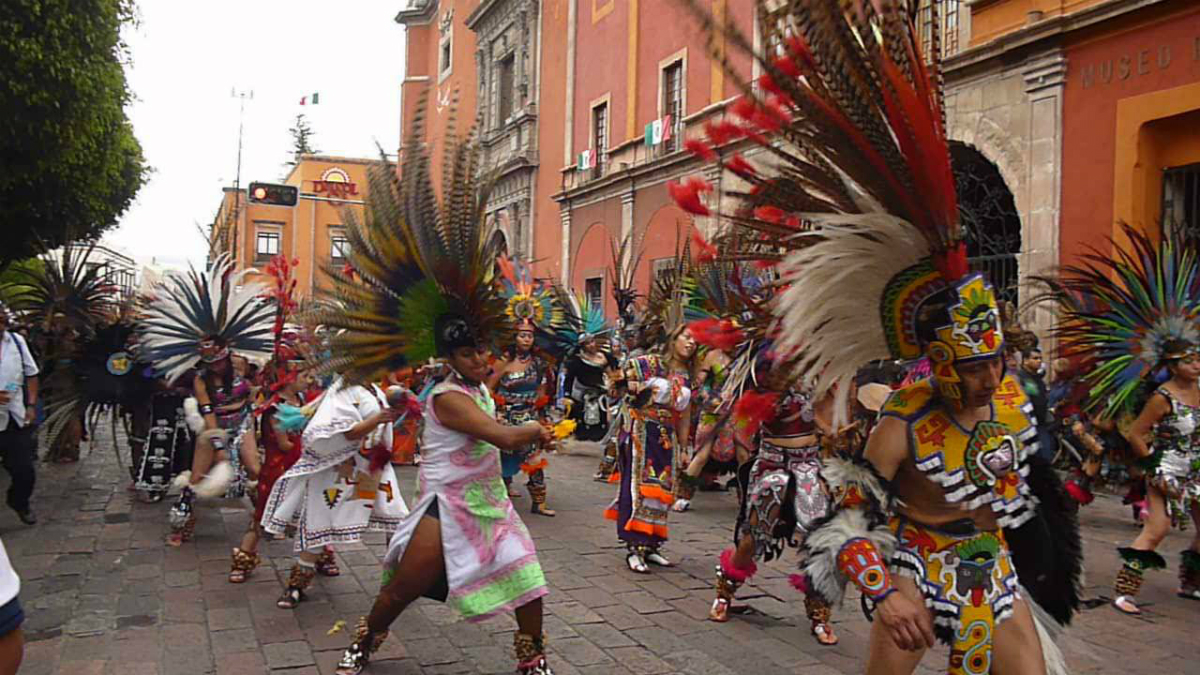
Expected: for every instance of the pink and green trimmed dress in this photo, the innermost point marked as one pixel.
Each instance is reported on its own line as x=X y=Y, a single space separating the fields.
x=491 y=564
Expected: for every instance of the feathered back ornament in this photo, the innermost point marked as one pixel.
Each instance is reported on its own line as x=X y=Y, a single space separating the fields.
x=414 y=259
x=666 y=305
x=626 y=257
x=1121 y=311
x=187 y=309
x=530 y=305
x=583 y=320
x=855 y=185
x=66 y=292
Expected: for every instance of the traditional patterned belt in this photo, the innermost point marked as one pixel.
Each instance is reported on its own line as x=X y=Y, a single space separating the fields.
x=654 y=414
x=779 y=454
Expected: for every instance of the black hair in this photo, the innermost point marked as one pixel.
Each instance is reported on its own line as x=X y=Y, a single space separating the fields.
x=451 y=331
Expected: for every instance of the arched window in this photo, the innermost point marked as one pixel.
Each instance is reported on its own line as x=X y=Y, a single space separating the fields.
x=989 y=216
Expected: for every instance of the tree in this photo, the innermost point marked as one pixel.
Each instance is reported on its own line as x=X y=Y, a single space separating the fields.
x=72 y=165
x=302 y=140
x=13 y=278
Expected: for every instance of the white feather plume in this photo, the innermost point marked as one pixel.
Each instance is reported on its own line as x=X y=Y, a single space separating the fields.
x=829 y=313
x=191 y=412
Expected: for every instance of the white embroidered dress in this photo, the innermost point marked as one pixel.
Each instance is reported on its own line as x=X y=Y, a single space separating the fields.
x=491 y=564
x=330 y=493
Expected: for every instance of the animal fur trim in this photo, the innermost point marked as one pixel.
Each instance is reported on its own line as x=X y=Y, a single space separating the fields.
x=839 y=474
x=216 y=481
x=191 y=412
x=182 y=480
x=824 y=543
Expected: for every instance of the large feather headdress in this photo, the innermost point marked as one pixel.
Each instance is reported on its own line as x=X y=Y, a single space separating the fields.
x=66 y=291
x=216 y=304
x=1120 y=311
x=855 y=184
x=414 y=259
x=626 y=257
x=527 y=302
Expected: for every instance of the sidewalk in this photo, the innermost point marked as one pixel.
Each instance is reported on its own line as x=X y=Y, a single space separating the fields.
x=103 y=594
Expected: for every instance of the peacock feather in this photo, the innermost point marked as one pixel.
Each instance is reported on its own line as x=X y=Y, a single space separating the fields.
x=1119 y=310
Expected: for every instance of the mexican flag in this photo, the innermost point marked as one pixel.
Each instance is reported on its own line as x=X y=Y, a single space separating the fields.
x=587 y=160
x=658 y=131
x=314 y=98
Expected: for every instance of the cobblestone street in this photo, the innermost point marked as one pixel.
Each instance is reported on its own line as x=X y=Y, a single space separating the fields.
x=103 y=594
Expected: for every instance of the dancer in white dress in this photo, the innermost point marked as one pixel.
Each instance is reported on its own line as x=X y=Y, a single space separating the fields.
x=343 y=484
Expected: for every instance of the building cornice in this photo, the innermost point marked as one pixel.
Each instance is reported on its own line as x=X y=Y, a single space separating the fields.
x=419 y=12
x=1042 y=34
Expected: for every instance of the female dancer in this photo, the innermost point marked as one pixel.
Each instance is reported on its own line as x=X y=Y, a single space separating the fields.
x=658 y=397
x=1171 y=418
x=522 y=384
x=343 y=484
x=281 y=450
x=714 y=441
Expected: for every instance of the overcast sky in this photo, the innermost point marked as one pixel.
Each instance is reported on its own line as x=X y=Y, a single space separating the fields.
x=188 y=56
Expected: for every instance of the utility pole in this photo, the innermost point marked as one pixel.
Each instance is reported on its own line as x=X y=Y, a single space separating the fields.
x=235 y=212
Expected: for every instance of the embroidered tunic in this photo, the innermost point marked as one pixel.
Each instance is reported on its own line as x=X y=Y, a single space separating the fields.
x=491 y=564
x=648 y=453
x=517 y=395
x=1177 y=449
x=330 y=493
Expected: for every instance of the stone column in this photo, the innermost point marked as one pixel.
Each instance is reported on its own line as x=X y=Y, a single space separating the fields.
x=627 y=225
x=1045 y=82
x=565 y=214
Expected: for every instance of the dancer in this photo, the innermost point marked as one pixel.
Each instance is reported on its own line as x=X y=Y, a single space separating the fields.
x=428 y=267
x=206 y=321
x=585 y=373
x=785 y=496
x=522 y=380
x=1132 y=315
x=342 y=486
x=867 y=214
x=658 y=392
x=623 y=268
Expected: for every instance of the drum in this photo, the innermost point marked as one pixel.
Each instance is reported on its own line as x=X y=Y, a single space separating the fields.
x=167 y=451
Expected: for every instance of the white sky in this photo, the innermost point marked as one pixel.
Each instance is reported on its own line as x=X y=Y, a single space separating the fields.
x=188 y=56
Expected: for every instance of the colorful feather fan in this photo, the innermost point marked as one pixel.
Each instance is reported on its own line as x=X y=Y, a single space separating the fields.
x=1119 y=311
x=66 y=292
x=188 y=308
x=414 y=258
x=852 y=183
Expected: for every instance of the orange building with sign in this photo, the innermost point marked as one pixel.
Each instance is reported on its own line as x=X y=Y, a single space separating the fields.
x=312 y=232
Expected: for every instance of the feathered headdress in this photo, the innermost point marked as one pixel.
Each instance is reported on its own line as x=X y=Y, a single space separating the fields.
x=529 y=305
x=1127 y=313
x=666 y=305
x=66 y=292
x=583 y=319
x=626 y=257
x=415 y=260
x=187 y=309
x=856 y=186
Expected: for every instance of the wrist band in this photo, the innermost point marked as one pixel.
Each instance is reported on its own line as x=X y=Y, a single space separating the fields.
x=860 y=561
x=206 y=409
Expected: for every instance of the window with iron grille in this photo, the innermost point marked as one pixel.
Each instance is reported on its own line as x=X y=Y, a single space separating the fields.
x=1181 y=201
x=599 y=137
x=266 y=245
x=505 y=89
x=593 y=289
x=672 y=103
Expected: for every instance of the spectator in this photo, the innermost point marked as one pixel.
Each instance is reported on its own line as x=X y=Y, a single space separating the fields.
x=1034 y=384
x=12 y=640
x=18 y=410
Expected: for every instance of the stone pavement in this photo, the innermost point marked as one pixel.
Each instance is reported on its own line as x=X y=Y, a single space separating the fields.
x=103 y=594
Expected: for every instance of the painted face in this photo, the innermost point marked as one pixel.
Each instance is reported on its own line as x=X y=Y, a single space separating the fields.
x=470 y=362
x=973 y=578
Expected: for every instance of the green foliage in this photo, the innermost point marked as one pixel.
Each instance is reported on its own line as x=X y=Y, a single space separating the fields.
x=302 y=140
x=13 y=278
x=72 y=165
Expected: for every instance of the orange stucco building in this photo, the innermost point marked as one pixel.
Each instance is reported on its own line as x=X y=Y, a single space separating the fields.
x=311 y=232
x=1064 y=117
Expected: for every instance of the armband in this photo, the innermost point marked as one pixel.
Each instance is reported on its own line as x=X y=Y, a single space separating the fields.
x=860 y=561
x=206 y=409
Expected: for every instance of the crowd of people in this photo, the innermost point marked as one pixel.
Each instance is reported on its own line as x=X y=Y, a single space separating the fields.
x=827 y=351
